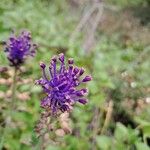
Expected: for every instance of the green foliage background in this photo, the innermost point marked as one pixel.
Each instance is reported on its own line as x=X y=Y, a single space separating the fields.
x=52 y=24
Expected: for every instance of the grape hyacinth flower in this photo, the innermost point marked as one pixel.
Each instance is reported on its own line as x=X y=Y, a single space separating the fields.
x=62 y=88
x=18 y=48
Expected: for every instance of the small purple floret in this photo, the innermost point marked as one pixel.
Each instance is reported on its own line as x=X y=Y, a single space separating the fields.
x=19 y=47
x=87 y=78
x=42 y=65
x=83 y=100
x=70 y=61
x=62 y=88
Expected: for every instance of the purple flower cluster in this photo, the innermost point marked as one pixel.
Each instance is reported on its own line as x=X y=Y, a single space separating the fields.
x=62 y=87
x=19 y=47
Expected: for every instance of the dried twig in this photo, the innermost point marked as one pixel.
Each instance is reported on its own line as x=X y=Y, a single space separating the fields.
x=95 y=125
x=108 y=117
x=91 y=19
x=90 y=37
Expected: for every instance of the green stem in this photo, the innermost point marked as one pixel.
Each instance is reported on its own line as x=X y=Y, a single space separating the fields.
x=14 y=89
x=42 y=142
x=108 y=117
x=11 y=108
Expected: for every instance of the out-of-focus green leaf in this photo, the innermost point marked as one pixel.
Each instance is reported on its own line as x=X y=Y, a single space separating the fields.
x=104 y=142
x=121 y=132
x=142 y=146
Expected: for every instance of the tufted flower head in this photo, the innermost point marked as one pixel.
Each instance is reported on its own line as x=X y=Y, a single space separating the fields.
x=62 y=89
x=19 y=47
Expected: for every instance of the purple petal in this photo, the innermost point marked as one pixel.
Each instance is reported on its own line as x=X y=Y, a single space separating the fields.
x=42 y=65
x=61 y=57
x=70 y=61
x=81 y=71
x=87 y=78
x=82 y=100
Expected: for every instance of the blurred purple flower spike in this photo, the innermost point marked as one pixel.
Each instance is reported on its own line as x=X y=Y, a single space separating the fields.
x=19 y=47
x=62 y=87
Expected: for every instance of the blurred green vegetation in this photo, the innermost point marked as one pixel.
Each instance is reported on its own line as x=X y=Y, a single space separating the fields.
x=118 y=61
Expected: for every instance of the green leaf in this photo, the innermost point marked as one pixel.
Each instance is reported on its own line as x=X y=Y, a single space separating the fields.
x=142 y=146
x=53 y=148
x=121 y=132
x=146 y=129
x=104 y=142
x=36 y=89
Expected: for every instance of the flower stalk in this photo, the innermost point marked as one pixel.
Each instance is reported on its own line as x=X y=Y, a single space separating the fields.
x=14 y=89
x=10 y=109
